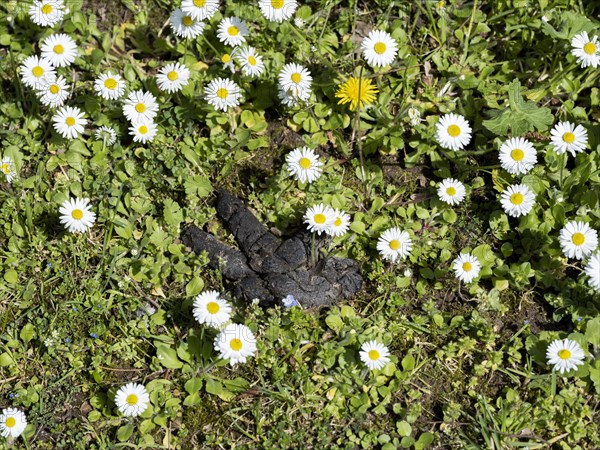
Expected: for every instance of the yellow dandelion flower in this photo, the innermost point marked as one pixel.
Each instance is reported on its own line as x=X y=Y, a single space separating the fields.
x=356 y=91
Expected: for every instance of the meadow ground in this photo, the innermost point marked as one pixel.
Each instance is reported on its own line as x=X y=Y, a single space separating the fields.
x=84 y=313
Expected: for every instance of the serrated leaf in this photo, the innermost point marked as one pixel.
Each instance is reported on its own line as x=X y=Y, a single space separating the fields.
x=521 y=116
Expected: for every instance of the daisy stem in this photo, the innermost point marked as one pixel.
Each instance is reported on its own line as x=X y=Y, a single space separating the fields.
x=563 y=163
x=553 y=387
x=355 y=131
x=210 y=45
x=313 y=259
x=468 y=35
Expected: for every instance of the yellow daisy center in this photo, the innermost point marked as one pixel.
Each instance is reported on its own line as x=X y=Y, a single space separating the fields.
x=226 y=58
x=589 y=48
x=47 y=8
x=5 y=168
x=277 y=4
x=373 y=355
x=564 y=354
x=199 y=3
x=517 y=198
x=132 y=399
x=140 y=107
x=578 y=238
x=453 y=130
x=320 y=218
x=59 y=49
x=568 y=137
x=54 y=89
x=70 y=121
x=338 y=222
x=236 y=344
x=357 y=92
x=252 y=60
x=451 y=191
x=110 y=83
x=467 y=266
x=213 y=308
x=517 y=154
x=172 y=75
x=222 y=93
x=77 y=214
x=304 y=163
x=10 y=422
x=143 y=129
x=233 y=30
x=187 y=21
x=37 y=71
x=296 y=77
x=394 y=244
x=379 y=48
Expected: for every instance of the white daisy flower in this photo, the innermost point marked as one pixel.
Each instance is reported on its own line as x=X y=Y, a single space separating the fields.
x=415 y=116
x=59 y=49
x=303 y=164
x=379 y=48
x=586 y=50
x=106 y=134
x=451 y=191
x=222 y=93
x=566 y=137
x=232 y=31
x=319 y=218
x=173 y=77
x=132 y=399
x=453 y=132
x=340 y=224
x=185 y=26
x=592 y=270
x=76 y=215
x=517 y=200
x=140 y=106
x=211 y=309
x=200 y=9
x=227 y=60
x=277 y=10
x=143 y=131
x=466 y=267
x=295 y=79
x=565 y=355
x=374 y=355
x=69 y=122
x=109 y=86
x=35 y=71
x=7 y=167
x=53 y=92
x=291 y=100
x=251 y=62
x=12 y=422
x=577 y=239
x=47 y=13
x=517 y=156
x=394 y=244
x=236 y=343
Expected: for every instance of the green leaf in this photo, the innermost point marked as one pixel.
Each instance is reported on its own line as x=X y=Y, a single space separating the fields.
x=167 y=356
x=404 y=428
x=194 y=287
x=125 y=432
x=11 y=276
x=424 y=441
x=592 y=332
x=521 y=116
x=334 y=322
x=172 y=213
x=27 y=333
x=198 y=185
x=408 y=362
x=193 y=385
x=6 y=360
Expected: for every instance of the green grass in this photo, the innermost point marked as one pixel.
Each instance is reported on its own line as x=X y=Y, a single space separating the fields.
x=468 y=365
